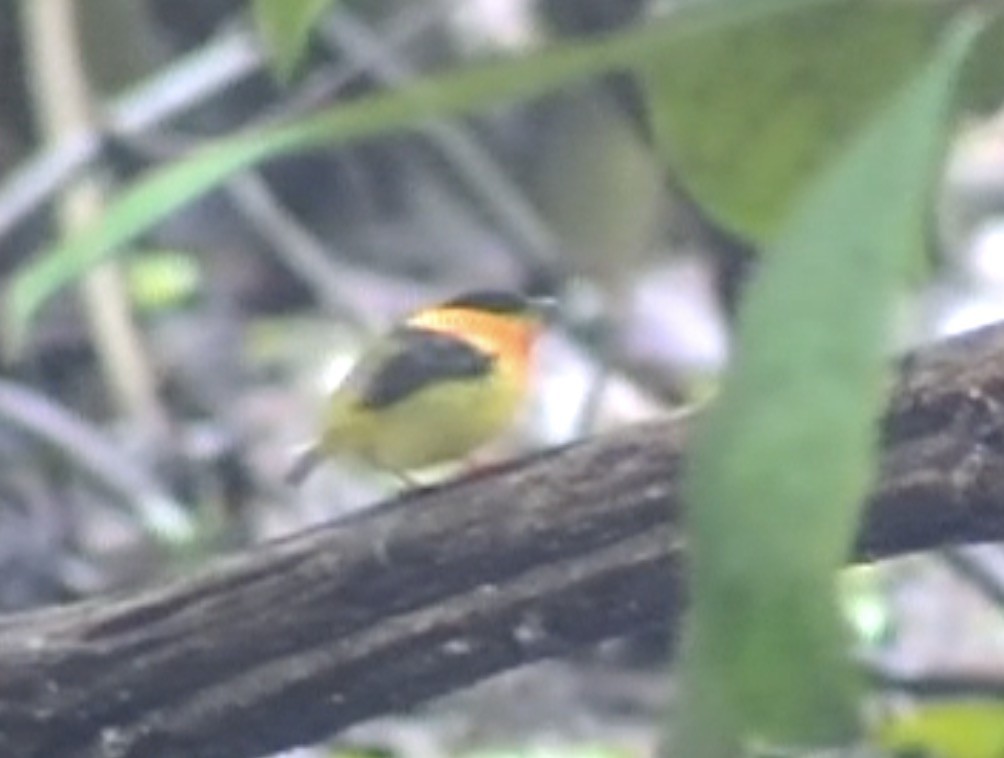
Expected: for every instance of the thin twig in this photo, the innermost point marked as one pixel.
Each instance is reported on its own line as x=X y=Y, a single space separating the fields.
x=88 y=449
x=64 y=106
x=204 y=73
x=977 y=573
x=485 y=177
x=321 y=85
x=318 y=88
x=938 y=684
x=342 y=289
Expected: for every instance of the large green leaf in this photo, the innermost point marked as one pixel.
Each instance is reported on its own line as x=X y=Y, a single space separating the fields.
x=285 y=26
x=165 y=190
x=747 y=116
x=783 y=461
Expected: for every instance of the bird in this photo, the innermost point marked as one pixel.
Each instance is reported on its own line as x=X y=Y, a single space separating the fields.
x=447 y=379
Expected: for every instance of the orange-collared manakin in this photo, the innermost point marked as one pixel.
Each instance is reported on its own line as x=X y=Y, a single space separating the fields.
x=446 y=380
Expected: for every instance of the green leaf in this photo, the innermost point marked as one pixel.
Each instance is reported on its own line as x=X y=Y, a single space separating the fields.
x=284 y=26
x=747 y=116
x=167 y=189
x=161 y=280
x=960 y=728
x=983 y=87
x=783 y=460
x=600 y=189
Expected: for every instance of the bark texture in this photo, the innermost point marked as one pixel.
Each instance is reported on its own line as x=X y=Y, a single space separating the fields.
x=297 y=639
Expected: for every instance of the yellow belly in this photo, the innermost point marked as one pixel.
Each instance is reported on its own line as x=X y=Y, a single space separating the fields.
x=440 y=423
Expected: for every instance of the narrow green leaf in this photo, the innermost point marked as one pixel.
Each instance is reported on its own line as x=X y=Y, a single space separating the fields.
x=165 y=190
x=783 y=461
x=284 y=26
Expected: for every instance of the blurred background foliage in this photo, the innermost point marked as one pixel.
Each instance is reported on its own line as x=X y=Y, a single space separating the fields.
x=628 y=155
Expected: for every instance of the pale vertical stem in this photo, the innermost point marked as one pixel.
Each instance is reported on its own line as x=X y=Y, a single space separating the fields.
x=63 y=107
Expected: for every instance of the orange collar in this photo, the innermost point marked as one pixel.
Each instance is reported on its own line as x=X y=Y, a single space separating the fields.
x=508 y=338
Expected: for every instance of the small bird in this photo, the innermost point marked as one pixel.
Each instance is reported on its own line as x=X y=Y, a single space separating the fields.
x=446 y=380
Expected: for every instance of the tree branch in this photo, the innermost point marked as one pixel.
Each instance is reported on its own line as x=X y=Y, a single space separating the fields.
x=300 y=638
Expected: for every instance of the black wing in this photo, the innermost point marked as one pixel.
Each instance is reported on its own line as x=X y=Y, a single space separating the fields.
x=420 y=358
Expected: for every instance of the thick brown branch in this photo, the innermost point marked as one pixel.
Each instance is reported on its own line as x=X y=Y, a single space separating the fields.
x=300 y=638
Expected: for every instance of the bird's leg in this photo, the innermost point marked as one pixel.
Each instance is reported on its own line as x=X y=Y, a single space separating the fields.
x=479 y=463
x=303 y=464
x=403 y=478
